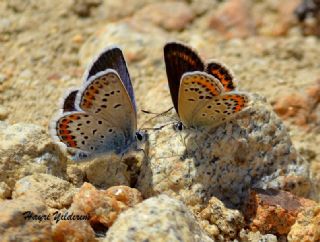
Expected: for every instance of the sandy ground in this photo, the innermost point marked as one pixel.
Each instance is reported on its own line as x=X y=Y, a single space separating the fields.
x=40 y=42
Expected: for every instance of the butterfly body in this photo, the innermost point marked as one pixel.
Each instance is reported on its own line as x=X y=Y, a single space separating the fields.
x=99 y=117
x=204 y=94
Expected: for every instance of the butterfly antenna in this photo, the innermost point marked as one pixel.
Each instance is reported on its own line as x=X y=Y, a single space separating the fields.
x=156 y=116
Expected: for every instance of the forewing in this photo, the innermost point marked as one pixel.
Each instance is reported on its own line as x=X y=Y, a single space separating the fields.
x=112 y=58
x=220 y=109
x=196 y=89
x=222 y=73
x=105 y=96
x=179 y=59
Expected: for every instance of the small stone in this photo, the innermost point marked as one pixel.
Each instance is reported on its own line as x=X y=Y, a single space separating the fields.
x=56 y=192
x=103 y=207
x=139 y=40
x=83 y=7
x=115 y=10
x=77 y=39
x=285 y=17
x=233 y=19
x=172 y=16
x=74 y=230
x=24 y=150
x=292 y=105
x=249 y=236
x=306 y=227
x=273 y=211
x=106 y=171
x=156 y=219
x=15 y=226
x=75 y=175
x=129 y=196
x=301 y=108
x=229 y=222
x=4 y=112
x=5 y=191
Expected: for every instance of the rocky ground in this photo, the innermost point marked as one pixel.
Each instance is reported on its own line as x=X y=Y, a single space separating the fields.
x=45 y=47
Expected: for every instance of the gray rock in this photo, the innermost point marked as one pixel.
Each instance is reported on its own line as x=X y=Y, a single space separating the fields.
x=14 y=226
x=26 y=149
x=252 y=150
x=57 y=193
x=156 y=219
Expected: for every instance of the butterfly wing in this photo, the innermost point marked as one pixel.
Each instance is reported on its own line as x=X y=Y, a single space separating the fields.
x=179 y=59
x=221 y=109
x=196 y=89
x=112 y=58
x=85 y=134
x=69 y=101
x=104 y=96
x=222 y=73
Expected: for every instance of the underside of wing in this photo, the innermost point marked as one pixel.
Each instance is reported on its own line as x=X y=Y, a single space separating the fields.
x=112 y=58
x=220 y=109
x=87 y=133
x=105 y=96
x=196 y=89
x=179 y=59
x=69 y=101
x=222 y=73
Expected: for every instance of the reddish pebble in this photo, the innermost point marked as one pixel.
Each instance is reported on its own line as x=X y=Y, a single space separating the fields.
x=273 y=211
x=104 y=206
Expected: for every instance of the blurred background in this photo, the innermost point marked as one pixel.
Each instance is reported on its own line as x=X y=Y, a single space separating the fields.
x=272 y=47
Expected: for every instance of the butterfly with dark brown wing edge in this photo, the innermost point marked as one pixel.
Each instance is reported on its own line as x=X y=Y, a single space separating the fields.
x=101 y=116
x=203 y=94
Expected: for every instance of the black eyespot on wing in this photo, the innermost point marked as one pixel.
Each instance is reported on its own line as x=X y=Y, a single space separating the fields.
x=113 y=59
x=68 y=104
x=179 y=59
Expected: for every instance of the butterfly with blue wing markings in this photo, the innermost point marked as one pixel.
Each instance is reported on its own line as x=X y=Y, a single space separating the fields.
x=101 y=116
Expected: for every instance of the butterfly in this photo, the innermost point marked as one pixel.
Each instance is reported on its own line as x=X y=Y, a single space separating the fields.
x=101 y=116
x=203 y=94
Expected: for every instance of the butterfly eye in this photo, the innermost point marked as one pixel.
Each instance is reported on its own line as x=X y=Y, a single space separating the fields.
x=140 y=135
x=178 y=126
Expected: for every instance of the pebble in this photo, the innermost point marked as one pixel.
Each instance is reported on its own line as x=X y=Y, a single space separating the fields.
x=57 y=193
x=104 y=206
x=272 y=211
x=306 y=227
x=233 y=19
x=158 y=218
x=172 y=16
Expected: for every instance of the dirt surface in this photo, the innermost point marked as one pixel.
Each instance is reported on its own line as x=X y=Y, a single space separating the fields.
x=40 y=42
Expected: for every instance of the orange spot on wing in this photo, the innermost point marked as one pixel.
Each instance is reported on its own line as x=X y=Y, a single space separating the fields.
x=222 y=79
x=74 y=117
x=68 y=140
x=65 y=122
x=208 y=85
x=73 y=144
x=63 y=126
x=64 y=132
x=241 y=101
